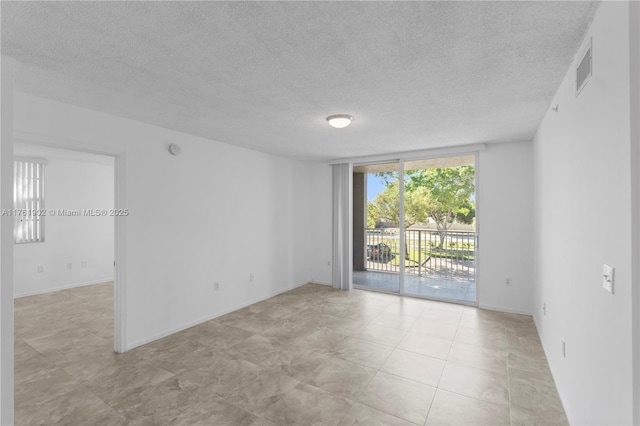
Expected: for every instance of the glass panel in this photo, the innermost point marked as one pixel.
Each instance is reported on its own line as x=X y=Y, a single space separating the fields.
x=440 y=228
x=376 y=239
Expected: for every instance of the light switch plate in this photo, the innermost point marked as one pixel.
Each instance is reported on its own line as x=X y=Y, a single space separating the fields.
x=607 y=278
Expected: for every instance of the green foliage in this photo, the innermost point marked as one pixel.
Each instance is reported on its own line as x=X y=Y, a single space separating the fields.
x=386 y=206
x=442 y=194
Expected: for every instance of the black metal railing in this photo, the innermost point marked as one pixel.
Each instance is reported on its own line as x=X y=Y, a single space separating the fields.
x=427 y=252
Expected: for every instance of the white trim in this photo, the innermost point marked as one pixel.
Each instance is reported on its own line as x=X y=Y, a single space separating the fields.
x=120 y=257
x=69 y=144
x=506 y=310
x=478 y=217
x=450 y=151
x=320 y=282
x=120 y=201
x=63 y=287
x=6 y=243
x=634 y=73
x=402 y=229
x=211 y=317
x=30 y=159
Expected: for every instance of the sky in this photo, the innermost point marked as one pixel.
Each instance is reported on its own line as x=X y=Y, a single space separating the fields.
x=375 y=185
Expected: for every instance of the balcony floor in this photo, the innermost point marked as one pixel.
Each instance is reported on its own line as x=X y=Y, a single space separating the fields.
x=460 y=290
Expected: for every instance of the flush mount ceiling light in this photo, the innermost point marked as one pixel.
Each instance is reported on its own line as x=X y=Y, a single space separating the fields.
x=340 y=120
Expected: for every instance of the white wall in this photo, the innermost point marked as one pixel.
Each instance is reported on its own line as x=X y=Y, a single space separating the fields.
x=73 y=181
x=6 y=242
x=505 y=186
x=214 y=213
x=582 y=179
x=321 y=222
x=634 y=55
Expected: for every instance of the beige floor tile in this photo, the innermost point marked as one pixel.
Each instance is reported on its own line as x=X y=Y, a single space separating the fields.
x=434 y=328
x=398 y=321
x=260 y=349
x=360 y=414
x=323 y=341
x=307 y=405
x=339 y=325
x=475 y=321
x=76 y=407
x=534 y=395
x=299 y=363
x=125 y=382
x=303 y=357
x=477 y=356
x=22 y=351
x=426 y=345
x=380 y=334
x=405 y=308
x=443 y=316
x=399 y=397
x=475 y=383
x=453 y=409
x=258 y=391
x=363 y=353
x=420 y=368
x=50 y=384
x=446 y=306
x=218 y=336
x=159 y=403
x=212 y=411
x=532 y=364
x=481 y=337
x=32 y=369
x=342 y=378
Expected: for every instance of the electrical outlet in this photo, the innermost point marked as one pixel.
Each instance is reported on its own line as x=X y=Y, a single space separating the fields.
x=251 y=276
x=69 y=265
x=40 y=268
x=507 y=281
x=328 y=263
x=564 y=348
x=83 y=264
x=216 y=285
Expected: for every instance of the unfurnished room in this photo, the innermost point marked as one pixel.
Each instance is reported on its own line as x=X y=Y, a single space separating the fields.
x=320 y=213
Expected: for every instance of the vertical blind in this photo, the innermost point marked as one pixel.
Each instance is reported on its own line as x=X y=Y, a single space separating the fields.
x=342 y=276
x=28 y=200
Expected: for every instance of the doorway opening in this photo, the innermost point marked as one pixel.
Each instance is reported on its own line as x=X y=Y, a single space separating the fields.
x=414 y=228
x=64 y=283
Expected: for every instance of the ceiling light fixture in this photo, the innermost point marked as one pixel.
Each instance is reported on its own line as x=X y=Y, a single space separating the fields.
x=340 y=120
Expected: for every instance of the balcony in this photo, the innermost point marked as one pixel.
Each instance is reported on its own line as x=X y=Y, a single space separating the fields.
x=438 y=264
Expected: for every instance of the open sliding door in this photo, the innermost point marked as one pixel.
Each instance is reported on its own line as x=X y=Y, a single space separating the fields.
x=414 y=229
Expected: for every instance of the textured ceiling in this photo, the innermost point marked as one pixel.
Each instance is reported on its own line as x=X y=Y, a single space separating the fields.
x=264 y=75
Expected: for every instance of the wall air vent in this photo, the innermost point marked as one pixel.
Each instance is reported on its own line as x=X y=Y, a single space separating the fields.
x=584 y=70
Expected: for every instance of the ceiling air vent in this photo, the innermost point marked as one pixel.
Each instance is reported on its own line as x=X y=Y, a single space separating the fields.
x=583 y=72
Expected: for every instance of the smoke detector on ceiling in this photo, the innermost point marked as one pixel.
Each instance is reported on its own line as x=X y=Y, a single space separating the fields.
x=174 y=149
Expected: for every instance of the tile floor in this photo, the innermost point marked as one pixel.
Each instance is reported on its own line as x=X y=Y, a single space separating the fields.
x=309 y=356
x=462 y=290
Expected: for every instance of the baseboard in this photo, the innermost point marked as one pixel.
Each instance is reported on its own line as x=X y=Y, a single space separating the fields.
x=64 y=287
x=208 y=318
x=320 y=282
x=501 y=309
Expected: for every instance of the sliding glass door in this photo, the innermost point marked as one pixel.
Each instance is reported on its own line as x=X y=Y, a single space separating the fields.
x=376 y=226
x=439 y=199
x=414 y=228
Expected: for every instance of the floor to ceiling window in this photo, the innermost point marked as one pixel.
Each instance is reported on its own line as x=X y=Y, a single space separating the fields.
x=414 y=229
